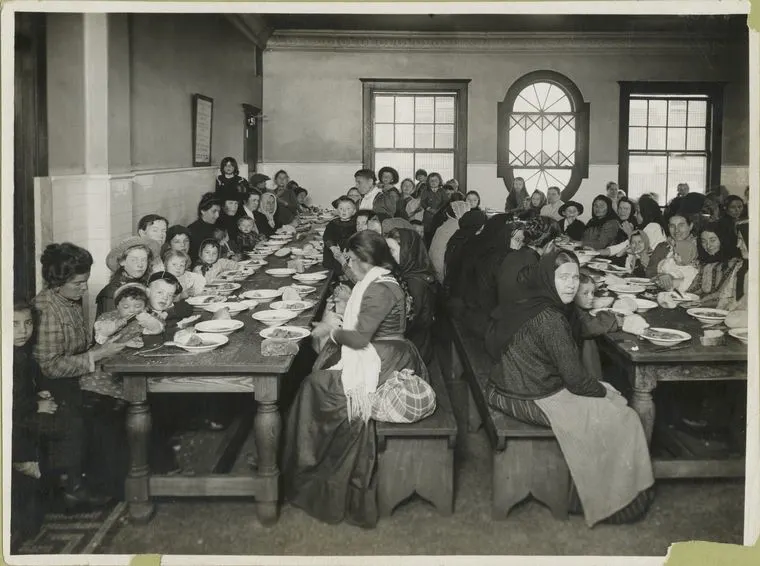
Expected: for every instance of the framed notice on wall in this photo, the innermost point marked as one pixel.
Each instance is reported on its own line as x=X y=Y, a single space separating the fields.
x=203 y=113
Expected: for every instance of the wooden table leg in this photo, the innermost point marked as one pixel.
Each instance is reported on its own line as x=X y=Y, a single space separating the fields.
x=642 y=401
x=266 y=428
x=136 y=487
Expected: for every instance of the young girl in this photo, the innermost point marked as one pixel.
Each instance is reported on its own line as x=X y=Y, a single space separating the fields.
x=225 y=250
x=410 y=206
x=354 y=194
x=229 y=178
x=129 y=261
x=642 y=260
x=302 y=196
x=533 y=210
x=177 y=263
x=336 y=235
x=210 y=264
x=432 y=200
x=473 y=199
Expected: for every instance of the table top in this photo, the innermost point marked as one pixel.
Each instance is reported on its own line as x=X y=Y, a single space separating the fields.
x=242 y=354
x=732 y=350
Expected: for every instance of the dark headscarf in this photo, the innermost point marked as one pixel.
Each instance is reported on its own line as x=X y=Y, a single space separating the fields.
x=611 y=214
x=728 y=243
x=469 y=224
x=414 y=260
x=541 y=294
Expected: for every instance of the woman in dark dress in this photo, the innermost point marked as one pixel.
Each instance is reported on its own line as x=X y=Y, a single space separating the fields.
x=229 y=214
x=330 y=451
x=419 y=276
x=229 y=178
x=570 y=225
x=203 y=228
x=251 y=206
x=469 y=225
x=603 y=228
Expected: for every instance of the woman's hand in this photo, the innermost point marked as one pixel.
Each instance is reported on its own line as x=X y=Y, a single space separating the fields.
x=47 y=406
x=627 y=227
x=342 y=292
x=332 y=319
x=321 y=330
x=665 y=281
x=106 y=350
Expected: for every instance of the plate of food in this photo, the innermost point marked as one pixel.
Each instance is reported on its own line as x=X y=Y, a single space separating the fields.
x=233 y=308
x=274 y=317
x=708 y=317
x=613 y=269
x=198 y=342
x=262 y=295
x=665 y=336
x=679 y=297
x=200 y=300
x=644 y=305
x=219 y=326
x=295 y=306
x=223 y=287
x=302 y=290
x=282 y=252
x=598 y=265
x=291 y=333
x=625 y=289
x=310 y=277
x=645 y=281
x=741 y=334
x=614 y=310
x=280 y=272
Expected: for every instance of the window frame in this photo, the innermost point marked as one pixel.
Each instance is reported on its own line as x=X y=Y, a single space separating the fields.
x=370 y=87
x=581 y=109
x=714 y=148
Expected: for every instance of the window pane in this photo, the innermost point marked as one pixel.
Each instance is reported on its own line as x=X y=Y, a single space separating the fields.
x=401 y=162
x=384 y=108
x=690 y=169
x=676 y=139
x=405 y=109
x=637 y=115
x=557 y=100
x=533 y=137
x=423 y=136
x=383 y=135
x=444 y=109
x=637 y=138
x=656 y=138
x=647 y=174
x=516 y=140
x=677 y=113
x=405 y=135
x=658 y=112
x=442 y=163
x=695 y=139
x=697 y=113
x=444 y=136
x=423 y=106
x=567 y=140
x=551 y=140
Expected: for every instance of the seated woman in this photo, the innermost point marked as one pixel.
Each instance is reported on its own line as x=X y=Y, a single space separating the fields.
x=453 y=212
x=626 y=211
x=718 y=267
x=129 y=262
x=409 y=207
x=470 y=224
x=229 y=213
x=540 y=379
x=648 y=218
x=284 y=190
x=570 y=226
x=518 y=197
x=602 y=230
x=537 y=202
x=418 y=274
x=203 y=228
x=229 y=178
x=734 y=208
x=329 y=458
x=276 y=216
x=678 y=269
x=251 y=205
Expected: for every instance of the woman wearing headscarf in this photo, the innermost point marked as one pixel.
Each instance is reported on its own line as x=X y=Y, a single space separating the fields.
x=473 y=294
x=418 y=274
x=642 y=260
x=536 y=203
x=229 y=214
x=275 y=215
x=540 y=379
x=454 y=211
x=470 y=224
x=602 y=230
x=517 y=198
x=395 y=223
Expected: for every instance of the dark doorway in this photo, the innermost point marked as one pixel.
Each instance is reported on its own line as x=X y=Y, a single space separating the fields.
x=29 y=142
x=252 y=121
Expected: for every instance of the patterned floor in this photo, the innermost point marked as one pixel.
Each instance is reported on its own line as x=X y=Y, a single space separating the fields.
x=82 y=533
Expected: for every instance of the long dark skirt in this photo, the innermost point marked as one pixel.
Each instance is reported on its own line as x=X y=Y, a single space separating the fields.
x=328 y=462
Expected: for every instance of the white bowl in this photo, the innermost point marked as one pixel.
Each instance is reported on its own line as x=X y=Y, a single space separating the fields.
x=310 y=277
x=201 y=300
x=234 y=308
x=219 y=326
x=296 y=333
x=280 y=272
x=708 y=317
x=644 y=305
x=644 y=281
x=626 y=289
x=741 y=334
x=302 y=290
x=295 y=306
x=210 y=342
x=262 y=295
x=274 y=317
x=282 y=252
x=674 y=336
x=685 y=297
x=223 y=287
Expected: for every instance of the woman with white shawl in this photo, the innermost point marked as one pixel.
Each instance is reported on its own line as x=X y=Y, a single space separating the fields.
x=330 y=447
x=443 y=234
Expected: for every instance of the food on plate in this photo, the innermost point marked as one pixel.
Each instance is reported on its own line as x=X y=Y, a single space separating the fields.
x=662 y=334
x=282 y=333
x=665 y=300
x=290 y=294
x=188 y=338
x=309 y=249
x=222 y=314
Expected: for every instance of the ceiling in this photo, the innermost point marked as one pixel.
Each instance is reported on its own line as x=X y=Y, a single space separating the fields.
x=713 y=25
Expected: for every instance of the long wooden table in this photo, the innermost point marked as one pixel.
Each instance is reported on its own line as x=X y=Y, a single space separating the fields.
x=646 y=364
x=236 y=367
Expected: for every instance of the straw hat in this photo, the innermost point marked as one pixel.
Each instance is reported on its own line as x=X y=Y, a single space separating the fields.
x=112 y=259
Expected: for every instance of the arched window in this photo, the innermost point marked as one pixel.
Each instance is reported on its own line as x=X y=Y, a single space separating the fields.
x=543 y=133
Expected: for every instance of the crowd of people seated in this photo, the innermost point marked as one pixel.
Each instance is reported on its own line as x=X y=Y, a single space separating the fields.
x=400 y=258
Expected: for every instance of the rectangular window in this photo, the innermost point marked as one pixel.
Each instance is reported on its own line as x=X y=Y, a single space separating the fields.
x=670 y=134
x=416 y=125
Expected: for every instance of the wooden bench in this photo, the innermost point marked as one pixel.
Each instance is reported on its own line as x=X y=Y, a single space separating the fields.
x=526 y=458
x=419 y=457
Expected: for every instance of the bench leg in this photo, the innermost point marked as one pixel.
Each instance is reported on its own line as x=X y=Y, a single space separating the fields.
x=551 y=477
x=421 y=465
x=511 y=477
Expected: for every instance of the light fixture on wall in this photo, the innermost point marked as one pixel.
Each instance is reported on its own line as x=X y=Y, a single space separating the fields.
x=252 y=115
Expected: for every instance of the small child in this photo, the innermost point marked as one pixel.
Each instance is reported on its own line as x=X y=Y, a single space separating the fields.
x=642 y=260
x=362 y=220
x=225 y=249
x=375 y=224
x=210 y=262
x=302 y=196
x=176 y=263
x=336 y=235
x=592 y=326
x=248 y=236
x=163 y=287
